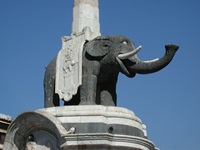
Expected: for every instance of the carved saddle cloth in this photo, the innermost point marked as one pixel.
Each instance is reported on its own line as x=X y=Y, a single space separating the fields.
x=69 y=64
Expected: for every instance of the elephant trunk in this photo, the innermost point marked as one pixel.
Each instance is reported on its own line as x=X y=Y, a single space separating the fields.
x=146 y=67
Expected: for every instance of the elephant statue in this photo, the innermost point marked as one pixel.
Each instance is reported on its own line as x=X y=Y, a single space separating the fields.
x=102 y=60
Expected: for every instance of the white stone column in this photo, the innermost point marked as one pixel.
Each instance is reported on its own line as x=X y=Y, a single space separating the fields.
x=86 y=13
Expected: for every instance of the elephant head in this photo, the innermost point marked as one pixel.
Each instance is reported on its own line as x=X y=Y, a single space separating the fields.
x=124 y=53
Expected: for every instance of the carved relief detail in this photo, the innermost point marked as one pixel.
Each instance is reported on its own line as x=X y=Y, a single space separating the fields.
x=69 y=64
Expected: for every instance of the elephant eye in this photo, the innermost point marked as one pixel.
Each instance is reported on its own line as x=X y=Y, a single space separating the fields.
x=105 y=46
x=125 y=42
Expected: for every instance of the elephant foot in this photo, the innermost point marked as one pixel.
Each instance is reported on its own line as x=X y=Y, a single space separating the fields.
x=108 y=98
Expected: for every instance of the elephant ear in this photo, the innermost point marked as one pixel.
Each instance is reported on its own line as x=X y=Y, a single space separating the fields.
x=99 y=48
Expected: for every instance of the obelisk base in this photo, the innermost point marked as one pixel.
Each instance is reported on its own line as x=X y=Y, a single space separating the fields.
x=78 y=127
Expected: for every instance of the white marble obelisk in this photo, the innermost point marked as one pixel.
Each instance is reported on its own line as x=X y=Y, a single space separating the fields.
x=86 y=14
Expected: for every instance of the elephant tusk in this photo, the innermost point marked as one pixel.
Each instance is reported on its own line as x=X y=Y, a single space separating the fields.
x=130 y=54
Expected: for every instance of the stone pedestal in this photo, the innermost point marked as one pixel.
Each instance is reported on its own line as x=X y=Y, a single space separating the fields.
x=92 y=127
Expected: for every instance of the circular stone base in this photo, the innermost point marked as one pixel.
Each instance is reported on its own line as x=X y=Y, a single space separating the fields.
x=78 y=127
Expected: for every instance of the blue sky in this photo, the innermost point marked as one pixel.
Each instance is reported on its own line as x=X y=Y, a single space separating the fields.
x=167 y=101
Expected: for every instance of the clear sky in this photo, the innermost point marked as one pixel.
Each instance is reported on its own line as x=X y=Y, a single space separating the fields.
x=168 y=101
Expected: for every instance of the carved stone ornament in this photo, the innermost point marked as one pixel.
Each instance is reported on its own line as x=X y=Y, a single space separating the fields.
x=69 y=64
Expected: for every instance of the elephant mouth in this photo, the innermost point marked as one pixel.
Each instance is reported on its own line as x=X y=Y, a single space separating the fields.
x=124 y=61
x=124 y=68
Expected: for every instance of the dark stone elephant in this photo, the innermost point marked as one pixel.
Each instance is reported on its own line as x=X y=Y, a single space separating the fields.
x=102 y=60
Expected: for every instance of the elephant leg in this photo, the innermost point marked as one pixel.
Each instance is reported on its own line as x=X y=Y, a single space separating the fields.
x=108 y=95
x=88 y=90
x=51 y=99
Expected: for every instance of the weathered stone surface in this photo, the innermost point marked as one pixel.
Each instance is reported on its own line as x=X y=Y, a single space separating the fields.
x=86 y=14
x=29 y=128
x=98 y=119
x=78 y=127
